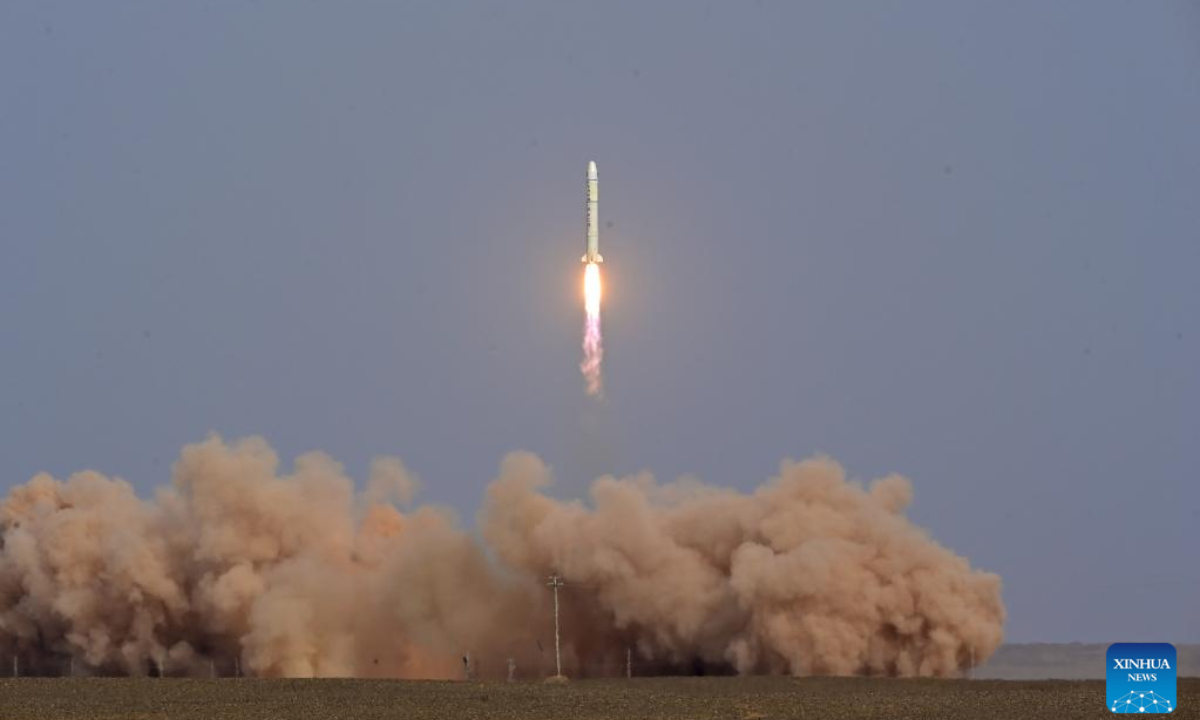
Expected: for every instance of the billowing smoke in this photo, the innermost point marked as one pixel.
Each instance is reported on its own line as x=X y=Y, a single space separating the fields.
x=238 y=564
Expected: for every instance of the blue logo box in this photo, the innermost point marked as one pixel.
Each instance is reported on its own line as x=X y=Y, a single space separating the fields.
x=1141 y=678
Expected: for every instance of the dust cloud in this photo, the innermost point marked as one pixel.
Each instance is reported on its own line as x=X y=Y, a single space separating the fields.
x=241 y=566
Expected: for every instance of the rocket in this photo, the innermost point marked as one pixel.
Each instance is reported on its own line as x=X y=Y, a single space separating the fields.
x=592 y=246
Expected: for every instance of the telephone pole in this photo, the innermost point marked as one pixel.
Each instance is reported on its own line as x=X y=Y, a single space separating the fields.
x=555 y=583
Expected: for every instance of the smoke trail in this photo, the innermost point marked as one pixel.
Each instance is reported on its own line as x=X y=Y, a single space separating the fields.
x=295 y=573
x=593 y=349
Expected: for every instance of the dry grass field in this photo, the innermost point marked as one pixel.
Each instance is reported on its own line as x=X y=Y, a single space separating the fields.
x=723 y=698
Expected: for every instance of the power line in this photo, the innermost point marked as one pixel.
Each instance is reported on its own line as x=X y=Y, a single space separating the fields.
x=555 y=582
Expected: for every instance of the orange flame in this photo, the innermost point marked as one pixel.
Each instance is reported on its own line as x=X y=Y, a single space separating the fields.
x=593 y=350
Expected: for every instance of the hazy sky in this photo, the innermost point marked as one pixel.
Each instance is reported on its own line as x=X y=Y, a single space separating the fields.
x=955 y=240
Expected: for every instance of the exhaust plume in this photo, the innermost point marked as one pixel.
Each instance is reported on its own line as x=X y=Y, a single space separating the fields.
x=294 y=573
x=593 y=349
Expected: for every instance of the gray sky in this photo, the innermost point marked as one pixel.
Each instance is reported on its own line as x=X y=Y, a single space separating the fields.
x=955 y=240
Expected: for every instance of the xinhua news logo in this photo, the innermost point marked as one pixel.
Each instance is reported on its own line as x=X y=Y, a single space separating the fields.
x=1141 y=677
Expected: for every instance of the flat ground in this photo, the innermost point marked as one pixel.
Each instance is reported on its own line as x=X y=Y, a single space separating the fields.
x=1066 y=661
x=724 y=698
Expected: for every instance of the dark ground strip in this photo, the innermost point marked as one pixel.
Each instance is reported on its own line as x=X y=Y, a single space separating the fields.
x=756 y=698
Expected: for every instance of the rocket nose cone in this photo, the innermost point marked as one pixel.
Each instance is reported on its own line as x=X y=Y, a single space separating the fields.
x=592 y=171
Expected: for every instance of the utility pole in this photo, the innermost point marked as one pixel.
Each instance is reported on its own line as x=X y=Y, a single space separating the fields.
x=555 y=583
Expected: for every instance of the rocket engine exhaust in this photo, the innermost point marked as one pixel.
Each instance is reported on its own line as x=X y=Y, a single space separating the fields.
x=593 y=347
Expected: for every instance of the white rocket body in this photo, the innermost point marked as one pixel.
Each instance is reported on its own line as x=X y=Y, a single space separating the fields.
x=592 y=246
